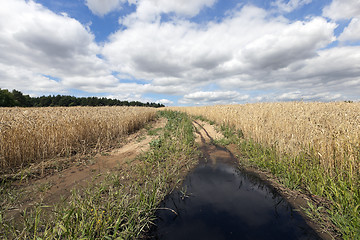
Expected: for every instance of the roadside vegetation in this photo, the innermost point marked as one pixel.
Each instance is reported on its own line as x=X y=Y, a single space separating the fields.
x=311 y=147
x=120 y=207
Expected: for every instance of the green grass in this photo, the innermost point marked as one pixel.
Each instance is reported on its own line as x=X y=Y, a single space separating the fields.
x=340 y=191
x=230 y=135
x=123 y=205
x=154 y=132
x=201 y=118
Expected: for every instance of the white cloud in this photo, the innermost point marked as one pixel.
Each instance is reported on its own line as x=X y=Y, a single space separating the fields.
x=166 y=102
x=250 y=49
x=291 y=5
x=39 y=42
x=352 y=32
x=345 y=10
x=219 y=97
x=103 y=7
x=298 y=95
x=296 y=41
x=245 y=50
x=90 y=83
x=342 y=9
x=335 y=70
x=36 y=31
x=128 y=97
x=150 y=10
x=14 y=77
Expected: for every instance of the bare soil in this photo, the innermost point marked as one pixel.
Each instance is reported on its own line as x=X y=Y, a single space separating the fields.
x=55 y=186
x=206 y=134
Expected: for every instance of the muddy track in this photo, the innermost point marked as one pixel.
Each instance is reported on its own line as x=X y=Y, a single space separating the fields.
x=205 y=136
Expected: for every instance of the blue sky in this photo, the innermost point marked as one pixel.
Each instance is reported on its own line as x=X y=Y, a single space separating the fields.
x=189 y=52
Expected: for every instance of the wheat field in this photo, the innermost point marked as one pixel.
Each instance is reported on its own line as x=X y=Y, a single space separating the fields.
x=31 y=135
x=331 y=131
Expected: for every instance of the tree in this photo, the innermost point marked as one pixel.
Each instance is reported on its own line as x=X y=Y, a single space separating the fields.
x=21 y=100
x=16 y=98
x=7 y=98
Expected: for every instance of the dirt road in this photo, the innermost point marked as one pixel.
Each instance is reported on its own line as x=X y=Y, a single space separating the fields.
x=205 y=136
x=53 y=187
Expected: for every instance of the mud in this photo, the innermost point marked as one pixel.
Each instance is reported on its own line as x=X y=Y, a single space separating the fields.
x=219 y=200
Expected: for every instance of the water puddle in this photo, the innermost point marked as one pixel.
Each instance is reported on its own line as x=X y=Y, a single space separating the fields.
x=219 y=201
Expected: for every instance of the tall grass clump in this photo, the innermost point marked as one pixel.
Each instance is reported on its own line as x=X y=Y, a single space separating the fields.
x=122 y=206
x=31 y=135
x=314 y=147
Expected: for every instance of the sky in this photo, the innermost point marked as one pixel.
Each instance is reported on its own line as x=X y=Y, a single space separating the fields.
x=183 y=52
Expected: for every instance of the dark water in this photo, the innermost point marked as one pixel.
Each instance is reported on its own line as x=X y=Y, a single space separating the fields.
x=219 y=201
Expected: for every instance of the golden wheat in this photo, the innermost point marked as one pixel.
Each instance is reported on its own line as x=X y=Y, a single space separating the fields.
x=330 y=130
x=29 y=135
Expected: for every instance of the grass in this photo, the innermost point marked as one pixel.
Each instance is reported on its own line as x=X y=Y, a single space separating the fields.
x=230 y=135
x=313 y=147
x=310 y=147
x=123 y=205
x=339 y=208
x=304 y=172
x=154 y=132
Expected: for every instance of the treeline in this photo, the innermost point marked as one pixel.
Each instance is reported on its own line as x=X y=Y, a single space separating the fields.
x=18 y=99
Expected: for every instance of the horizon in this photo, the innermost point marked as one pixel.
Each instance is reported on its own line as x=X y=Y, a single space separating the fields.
x=194 y=53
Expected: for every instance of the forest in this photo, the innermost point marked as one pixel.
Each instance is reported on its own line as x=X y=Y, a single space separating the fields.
x=16 y=98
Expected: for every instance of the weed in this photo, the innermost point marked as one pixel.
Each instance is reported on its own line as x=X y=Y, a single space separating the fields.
x=312 y=147
x=231 y=136
x=123 y=205
x=304 y=173
x=154 y=132
x=44 y=187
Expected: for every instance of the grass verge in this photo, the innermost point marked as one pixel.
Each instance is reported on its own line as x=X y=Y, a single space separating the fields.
x=120 y=207
x=338 y=194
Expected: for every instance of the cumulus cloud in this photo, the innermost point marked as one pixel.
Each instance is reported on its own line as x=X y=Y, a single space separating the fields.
x=128 y=97
x=14 y=77
x=37 y=32
x=150 y=10
x=183 y=49
x=242 y=51
x=103 y=7
x=352 y=32
x=39 y=42
x=166 y=102
x=345 y=10
x=219 y=97
x=342 y=9
x=333 y=70
x=336 y=68
x=291 y=5
x=296 y=41
x=298 y=95
x=244 y=57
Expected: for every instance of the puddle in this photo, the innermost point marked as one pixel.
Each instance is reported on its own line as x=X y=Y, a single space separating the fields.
x=219 y=201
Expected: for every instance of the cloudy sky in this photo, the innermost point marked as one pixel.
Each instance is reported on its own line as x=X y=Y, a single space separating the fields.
x=183 y=52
